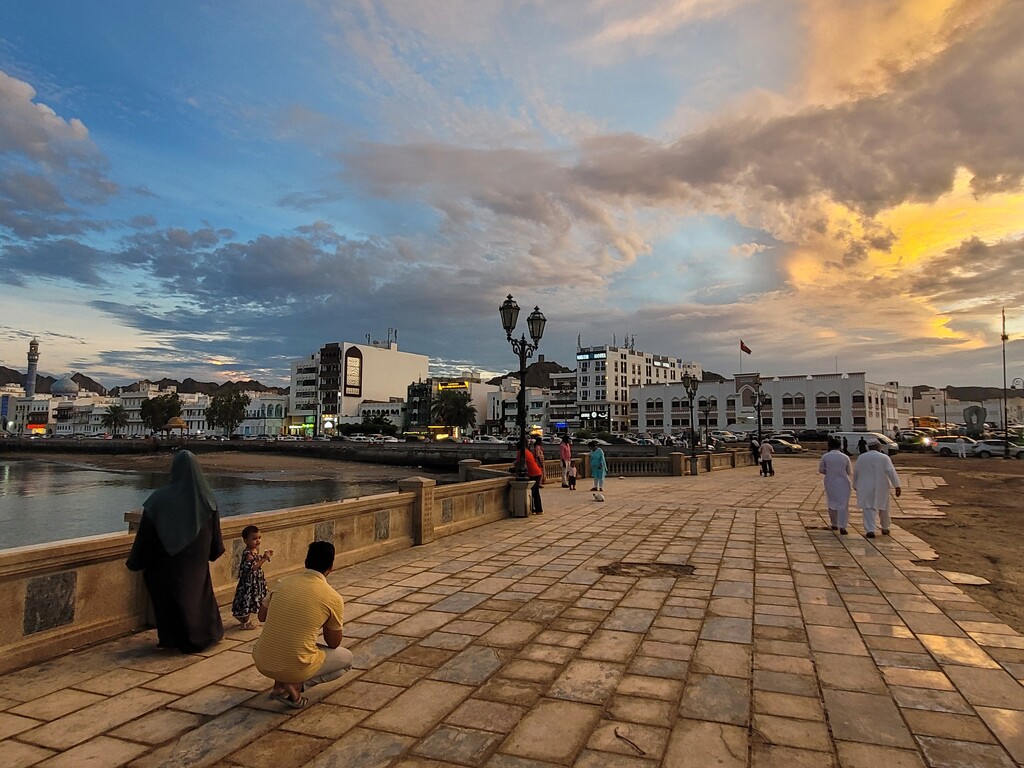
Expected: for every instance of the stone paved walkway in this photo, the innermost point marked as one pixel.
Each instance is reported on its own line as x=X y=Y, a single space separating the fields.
x=507 y=647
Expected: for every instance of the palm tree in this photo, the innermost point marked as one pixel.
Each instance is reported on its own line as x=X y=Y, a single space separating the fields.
x=115 y=419
x=453 y=409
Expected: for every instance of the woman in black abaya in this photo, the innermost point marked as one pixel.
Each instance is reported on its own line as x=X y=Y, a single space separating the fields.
x=179 y=534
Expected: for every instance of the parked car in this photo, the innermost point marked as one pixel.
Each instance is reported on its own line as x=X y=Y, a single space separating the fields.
x=784 y=446
x=490 y=439
x=945 y=445
x=986 y=448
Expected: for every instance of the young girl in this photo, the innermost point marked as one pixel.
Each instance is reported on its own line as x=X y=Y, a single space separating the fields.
x=571 y=477
x=252 y=584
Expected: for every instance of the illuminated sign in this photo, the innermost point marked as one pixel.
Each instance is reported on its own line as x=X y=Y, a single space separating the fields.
x=452 y=385
x=353 y=373
x=592 y=356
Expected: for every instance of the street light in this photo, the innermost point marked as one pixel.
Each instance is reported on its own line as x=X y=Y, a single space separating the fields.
x=759 y=398
x=705 y=408
x=509 y=312
x=690 y=384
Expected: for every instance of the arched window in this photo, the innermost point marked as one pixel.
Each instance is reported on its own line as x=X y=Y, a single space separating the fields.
x=798 y=399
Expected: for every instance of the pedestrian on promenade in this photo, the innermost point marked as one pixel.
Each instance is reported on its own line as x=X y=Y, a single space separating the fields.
x=534 y=472
x=300 y=607
x=179 y=535
x=571 y=477
x=961 y=447
x=862 y=446
x=846 y=447
x=598 y=466
x=565 y=454
x=872 y=475
x=755 y=451
x=538 y=451
x=252 y=583
x=838 y=471
x=766 y=452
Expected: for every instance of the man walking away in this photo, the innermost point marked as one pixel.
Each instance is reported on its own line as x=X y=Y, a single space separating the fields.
x=872 y=475
x=766 y=459
x=961 y=447
x=835 y=466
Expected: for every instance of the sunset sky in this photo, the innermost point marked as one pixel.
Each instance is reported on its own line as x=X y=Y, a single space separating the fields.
x=211 y=189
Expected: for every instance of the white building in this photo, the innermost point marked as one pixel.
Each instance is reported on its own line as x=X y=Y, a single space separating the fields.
x=503 y=408
x=604 y=375
x=266 y=414
x=9 y=395
x=328 y=386
x=843 y=401
x=393 y=410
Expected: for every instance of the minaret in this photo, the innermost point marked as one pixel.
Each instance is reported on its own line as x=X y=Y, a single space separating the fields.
x=33 y=363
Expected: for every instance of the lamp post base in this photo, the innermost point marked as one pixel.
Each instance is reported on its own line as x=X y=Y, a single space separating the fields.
x=519 y=496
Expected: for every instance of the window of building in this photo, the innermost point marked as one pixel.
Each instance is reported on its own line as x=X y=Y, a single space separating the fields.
x=858 y=398
x=833 y=398
x=798 y=400
x=787 y=399
x=821 y=399
x=859 y=421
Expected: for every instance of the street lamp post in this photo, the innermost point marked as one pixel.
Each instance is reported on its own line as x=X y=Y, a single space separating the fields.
x=509 y=312
x=690 y=384
x=945 y=417
x=706 y=410
x=758 y=405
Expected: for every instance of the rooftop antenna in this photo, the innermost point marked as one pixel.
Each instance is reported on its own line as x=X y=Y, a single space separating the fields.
x=367 y=338
x=579 y=340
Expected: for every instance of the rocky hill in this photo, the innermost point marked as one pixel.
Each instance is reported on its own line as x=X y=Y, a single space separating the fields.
x=43 y=383
x=191 y=387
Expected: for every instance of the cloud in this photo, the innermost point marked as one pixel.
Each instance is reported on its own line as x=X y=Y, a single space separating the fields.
x=48 y=166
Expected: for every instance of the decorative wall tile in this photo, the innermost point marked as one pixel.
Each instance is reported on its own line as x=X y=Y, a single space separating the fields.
x=382 y=525
x=50 y=601
x=447 y=511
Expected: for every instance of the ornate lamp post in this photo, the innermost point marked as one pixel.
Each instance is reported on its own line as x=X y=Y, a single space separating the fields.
x=509 y=312
x=690 y=384
x=759 y=398
x=705 y=409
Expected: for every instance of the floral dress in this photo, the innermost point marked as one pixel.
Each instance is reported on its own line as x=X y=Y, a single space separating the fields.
x=251 y=590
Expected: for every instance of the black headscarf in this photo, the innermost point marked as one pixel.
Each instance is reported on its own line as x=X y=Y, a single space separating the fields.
x=180 y=509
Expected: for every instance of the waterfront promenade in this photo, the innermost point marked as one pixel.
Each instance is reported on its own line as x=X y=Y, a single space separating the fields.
x=541 y=642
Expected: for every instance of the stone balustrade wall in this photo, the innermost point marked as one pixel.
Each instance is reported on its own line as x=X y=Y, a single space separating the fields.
x=64 y=595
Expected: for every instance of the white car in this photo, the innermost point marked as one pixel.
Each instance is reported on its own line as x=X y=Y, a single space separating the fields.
x=945 y=445
x=490 y=439
x=986 y=448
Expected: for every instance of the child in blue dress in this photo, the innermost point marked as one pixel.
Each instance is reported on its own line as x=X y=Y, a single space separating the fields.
x=252 y=583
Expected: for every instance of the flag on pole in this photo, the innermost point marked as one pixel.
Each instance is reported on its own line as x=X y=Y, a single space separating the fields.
x=744 y=347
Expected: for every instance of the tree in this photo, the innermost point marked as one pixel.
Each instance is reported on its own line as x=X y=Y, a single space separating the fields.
x=453 y=409
x=115 y=419
x=227 y=411
x=157 y=411
x=379 y=424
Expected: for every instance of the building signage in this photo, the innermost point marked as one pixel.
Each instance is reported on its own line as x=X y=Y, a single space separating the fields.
x=442 y=386
x=353 y=386
x=591 y=355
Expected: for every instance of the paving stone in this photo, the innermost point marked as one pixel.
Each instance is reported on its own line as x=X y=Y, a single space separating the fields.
x=364 y=695
x=101 y=751
x=364 y=748
x=917 y=678
x=717 y=698
x=866 y=718
x=784 y=682
x=519 y=692
x=471 y=667
x=947 y=725
x=534 y=737
x=420 y=708
x=280 y=749
x=611 y=645
x=629 y=620
x=775 y=756
x=452 y=744
x=1008 y=726
x=84 y=724
x=395 y=673
x=784 y=731
x=11 y=725
x=592 y=759
x=851 y=673
x=587 y=681
x=213 y=740
x=787 y=705
x=511 y=633
x=699 y=744
x=115 y=681
x=987 y=687
x=727 y=630
x=630 y=739
x=853 y=755
x=931 y=700
x=325 y=720
x=957 y=650
x=946 y=753
x=538 y=671
x=158 y=727
x=371 y=652
x=487 y=715
x=201 y=673
x=634 y=709
x=56 y=704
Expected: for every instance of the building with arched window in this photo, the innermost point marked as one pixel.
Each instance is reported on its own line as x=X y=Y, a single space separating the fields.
x=839 y=401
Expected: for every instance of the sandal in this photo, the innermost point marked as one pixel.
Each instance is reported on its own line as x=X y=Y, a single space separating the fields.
x=288 y=701
x=248 y=625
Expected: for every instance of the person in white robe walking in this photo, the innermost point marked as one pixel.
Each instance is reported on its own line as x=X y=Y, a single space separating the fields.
x=838 y=471
x=872 y=475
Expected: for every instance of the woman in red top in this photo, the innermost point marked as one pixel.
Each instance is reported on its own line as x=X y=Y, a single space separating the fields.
x=534 y=472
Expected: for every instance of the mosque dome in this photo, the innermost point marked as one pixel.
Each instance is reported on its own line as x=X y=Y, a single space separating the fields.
x=65 y=386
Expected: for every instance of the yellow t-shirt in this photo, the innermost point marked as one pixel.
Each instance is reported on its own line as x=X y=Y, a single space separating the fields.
x=299 y=606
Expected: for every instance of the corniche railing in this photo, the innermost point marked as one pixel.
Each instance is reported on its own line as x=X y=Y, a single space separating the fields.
x=67 y=594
